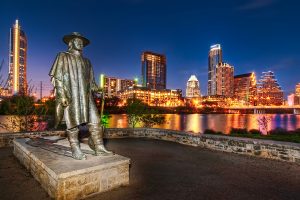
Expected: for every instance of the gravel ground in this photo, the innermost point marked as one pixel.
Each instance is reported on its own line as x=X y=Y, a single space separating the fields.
x=166 y=170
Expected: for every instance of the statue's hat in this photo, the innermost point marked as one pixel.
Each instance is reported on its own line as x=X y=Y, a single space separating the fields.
x=68 y=38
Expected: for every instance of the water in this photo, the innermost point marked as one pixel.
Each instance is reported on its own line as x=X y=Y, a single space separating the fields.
x=198 y=123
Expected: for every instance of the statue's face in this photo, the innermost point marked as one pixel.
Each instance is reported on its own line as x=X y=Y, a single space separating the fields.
x=77 y=44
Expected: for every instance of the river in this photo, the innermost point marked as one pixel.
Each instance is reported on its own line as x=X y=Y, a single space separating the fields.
x=198 y=123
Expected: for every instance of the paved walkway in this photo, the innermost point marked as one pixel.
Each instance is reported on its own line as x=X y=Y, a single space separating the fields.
x=164 y=170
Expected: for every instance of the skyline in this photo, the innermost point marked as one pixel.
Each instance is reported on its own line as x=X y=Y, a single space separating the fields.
x=183 y=32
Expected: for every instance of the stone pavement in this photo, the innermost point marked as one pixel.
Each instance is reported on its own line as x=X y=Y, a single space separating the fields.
x=166 y=170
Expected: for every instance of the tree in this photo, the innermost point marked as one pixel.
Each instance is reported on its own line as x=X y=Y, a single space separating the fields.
x=139 y=112
x=150 y=120
x=112 y=101
x=135 y=108
x=23 y=114
x=263 y=124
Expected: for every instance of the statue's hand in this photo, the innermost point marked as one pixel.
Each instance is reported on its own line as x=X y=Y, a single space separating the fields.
x=64 y=102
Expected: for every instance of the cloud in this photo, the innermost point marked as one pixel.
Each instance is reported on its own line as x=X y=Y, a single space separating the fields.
x=256 y=4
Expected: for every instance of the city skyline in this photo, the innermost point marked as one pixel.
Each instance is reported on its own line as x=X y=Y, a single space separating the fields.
x=254 y=37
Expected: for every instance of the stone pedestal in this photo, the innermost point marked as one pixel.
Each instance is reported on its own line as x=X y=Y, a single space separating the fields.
x=66 y=178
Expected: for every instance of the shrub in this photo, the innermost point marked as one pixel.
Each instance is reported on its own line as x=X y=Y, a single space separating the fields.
x=297 y=131
x=279 y=131
x=149 y=120
x=209 y=131
x=242 y=131
x=255 y=132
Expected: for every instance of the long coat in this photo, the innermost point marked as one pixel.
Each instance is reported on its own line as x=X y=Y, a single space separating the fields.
x=73 y=79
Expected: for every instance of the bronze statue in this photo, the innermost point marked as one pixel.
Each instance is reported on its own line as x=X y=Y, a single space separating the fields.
x=73 y=79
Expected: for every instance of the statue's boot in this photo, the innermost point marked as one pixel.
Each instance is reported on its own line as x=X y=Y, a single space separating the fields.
x=96 y=140
x=74 y=143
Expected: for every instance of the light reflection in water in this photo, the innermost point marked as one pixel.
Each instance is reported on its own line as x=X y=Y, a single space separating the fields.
x=198 y=123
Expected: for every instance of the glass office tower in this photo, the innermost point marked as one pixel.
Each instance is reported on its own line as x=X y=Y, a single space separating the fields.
x=214 y=58
x=154 y=70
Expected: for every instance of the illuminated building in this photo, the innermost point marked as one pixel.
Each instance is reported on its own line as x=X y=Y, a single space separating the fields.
x=17 y=80
x=291 y=100
x=224 y=79
x=113 y=85
x=193 y=87
x=245 y=88
x=165 y=98
x=214 y=101
x=214 y=58
x=269 y=91
x=297 y=90
x=4 y=92
x=154 y=70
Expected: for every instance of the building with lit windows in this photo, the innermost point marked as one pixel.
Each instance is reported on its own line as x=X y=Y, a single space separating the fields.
x=245 y=88
x=193 y=87
x=17 y=80
x=293 y=100
x=113 y=85
x=297 y=90
x=224 y=79
x=164 y=98
x=269 y=91
x=154 y=70
x=214 y=58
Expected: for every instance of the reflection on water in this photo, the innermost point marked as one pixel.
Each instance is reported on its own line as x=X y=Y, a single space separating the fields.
x=198 y=123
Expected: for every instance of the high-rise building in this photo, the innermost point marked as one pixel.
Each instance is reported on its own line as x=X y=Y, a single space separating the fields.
x=269 y=91
x=154 y=70
x=245 y=88
x=193 y=87
x=214 y=58
x=224 y=79
x=17 y=80
x=297 y=90
x=113 y=85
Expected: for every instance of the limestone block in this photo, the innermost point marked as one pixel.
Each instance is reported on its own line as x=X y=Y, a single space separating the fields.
x=65 y=178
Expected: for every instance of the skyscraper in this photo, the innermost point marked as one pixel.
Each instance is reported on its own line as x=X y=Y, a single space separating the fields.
x=214 y=58
x=268 y=90
x=245 y=87
x=154 y=70
x=224 y=79
x=192 y=87
x=17 y=80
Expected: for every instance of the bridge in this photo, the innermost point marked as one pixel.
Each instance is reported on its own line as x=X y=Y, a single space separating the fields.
x=262 y=109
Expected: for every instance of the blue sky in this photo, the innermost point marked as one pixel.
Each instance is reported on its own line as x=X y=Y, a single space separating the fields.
x=256 y=35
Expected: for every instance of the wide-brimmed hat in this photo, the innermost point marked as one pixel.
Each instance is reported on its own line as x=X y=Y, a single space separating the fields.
x=68 y=38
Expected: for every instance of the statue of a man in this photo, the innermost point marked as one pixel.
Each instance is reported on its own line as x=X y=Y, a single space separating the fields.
x=73 y=79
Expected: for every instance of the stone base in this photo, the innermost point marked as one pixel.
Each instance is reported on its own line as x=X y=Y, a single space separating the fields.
x=66 y=178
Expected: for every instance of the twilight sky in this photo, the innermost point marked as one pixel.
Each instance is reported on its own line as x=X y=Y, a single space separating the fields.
x=256 y=35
